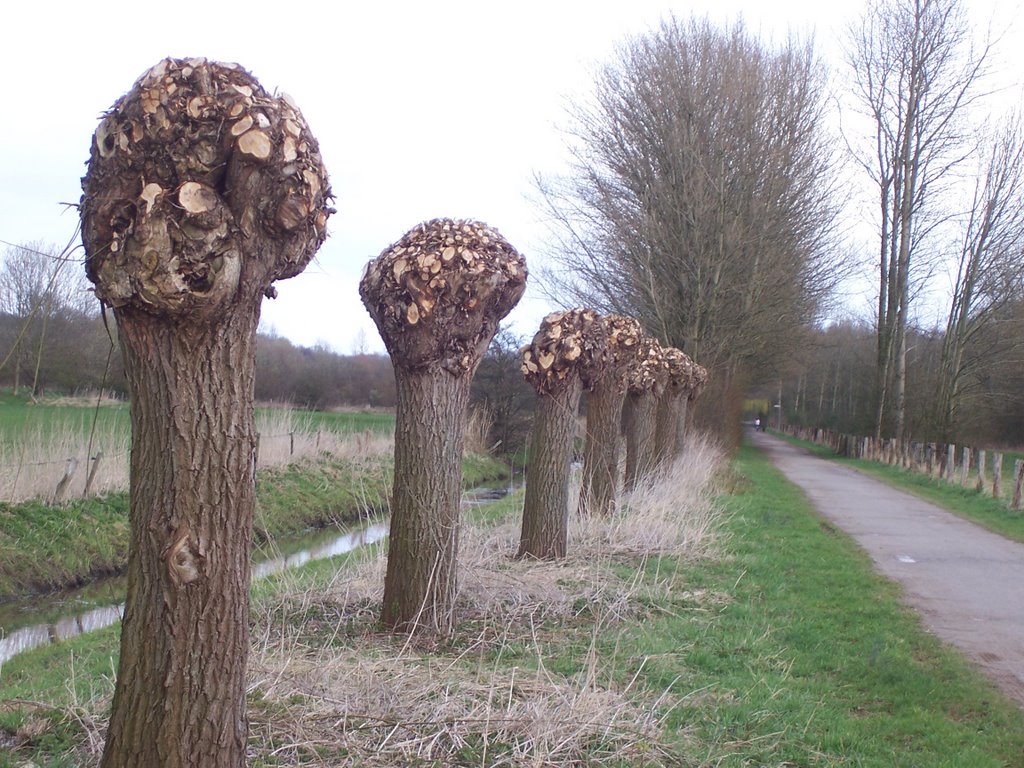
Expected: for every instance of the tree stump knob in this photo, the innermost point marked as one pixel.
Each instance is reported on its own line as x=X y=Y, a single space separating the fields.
x=199 y=184
x=438 y=294
x=569 y=343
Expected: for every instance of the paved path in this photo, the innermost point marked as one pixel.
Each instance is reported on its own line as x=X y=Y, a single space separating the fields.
x=967 y=583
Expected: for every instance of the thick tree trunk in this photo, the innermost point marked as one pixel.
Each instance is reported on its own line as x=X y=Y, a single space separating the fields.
x=640 y=431
x=683 y=426
x=602 y=449
x=180 y=695
x=545 y=532
x=666 y=430
x=420 y=584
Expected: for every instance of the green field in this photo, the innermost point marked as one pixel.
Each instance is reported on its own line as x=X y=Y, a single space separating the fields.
x=19 y=416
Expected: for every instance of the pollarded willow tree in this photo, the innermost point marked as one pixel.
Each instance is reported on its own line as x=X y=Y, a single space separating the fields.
x=601 y=450
x=702 y=197
x=436 y=297
x=672 y=406
x=567 y=354
x=202 y=190
x=647 y=379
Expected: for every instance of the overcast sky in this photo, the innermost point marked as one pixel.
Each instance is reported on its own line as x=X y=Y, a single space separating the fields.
x=422 y=109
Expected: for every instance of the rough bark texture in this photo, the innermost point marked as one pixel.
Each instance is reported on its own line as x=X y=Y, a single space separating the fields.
x=180 y=697
x=545 y=531
x=642 y=408
x=202 y=190
x=677 y=389
x=647 y=379
x=420 y=584
x=566 y=355
x=436 y=297
x=601 y=450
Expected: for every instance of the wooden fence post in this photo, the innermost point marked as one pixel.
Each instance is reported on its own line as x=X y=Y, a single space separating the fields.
x=950 y=462
x=1018 y=481
x=92 y=474
x=965 y=466
x=997 y=475
x=981 y=470
x=62 y=486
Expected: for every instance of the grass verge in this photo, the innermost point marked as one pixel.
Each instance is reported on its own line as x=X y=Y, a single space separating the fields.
x=968 y=503
x=754 y=636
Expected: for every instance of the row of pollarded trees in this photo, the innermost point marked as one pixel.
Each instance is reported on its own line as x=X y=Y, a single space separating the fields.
x=202 y=190
x=634 y=385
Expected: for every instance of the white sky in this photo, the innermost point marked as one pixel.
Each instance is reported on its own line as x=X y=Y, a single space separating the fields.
x=422 y=109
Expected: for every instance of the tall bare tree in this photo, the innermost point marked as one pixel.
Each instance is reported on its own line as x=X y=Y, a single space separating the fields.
x=701 y=198
x=914 y=74
x=202 y=190
x=990 y=268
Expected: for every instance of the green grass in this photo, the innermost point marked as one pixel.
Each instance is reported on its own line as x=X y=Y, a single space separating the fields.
x=786 y=649
x=814 y=660
x=968 y=503
x=20 y=416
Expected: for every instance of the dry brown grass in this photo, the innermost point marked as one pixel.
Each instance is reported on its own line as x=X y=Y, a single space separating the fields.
x=32 y=467
x=476 y=438
x=287 y=437
x=332 y=690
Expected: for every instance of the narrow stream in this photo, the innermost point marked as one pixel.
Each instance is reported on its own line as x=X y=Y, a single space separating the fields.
x=30 y=623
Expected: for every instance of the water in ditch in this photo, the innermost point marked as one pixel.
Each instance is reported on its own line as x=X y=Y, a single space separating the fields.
x=36 y=621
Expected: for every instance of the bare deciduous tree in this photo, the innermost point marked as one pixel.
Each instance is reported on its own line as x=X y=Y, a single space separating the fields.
x=436 y=297
x=990 y=268
x=702 y=197
x=39 y=284
x=202 y=190
x=914 y=74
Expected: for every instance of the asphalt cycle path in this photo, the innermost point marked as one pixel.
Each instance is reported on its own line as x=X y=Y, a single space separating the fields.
x=966 y=582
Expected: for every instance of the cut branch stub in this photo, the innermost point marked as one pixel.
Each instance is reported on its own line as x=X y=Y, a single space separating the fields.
x=681 y=373
x=649 y=372
x=624 y=348
x=200 y=183
x=700 y=381
x=437 y=294
x=570 y=343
